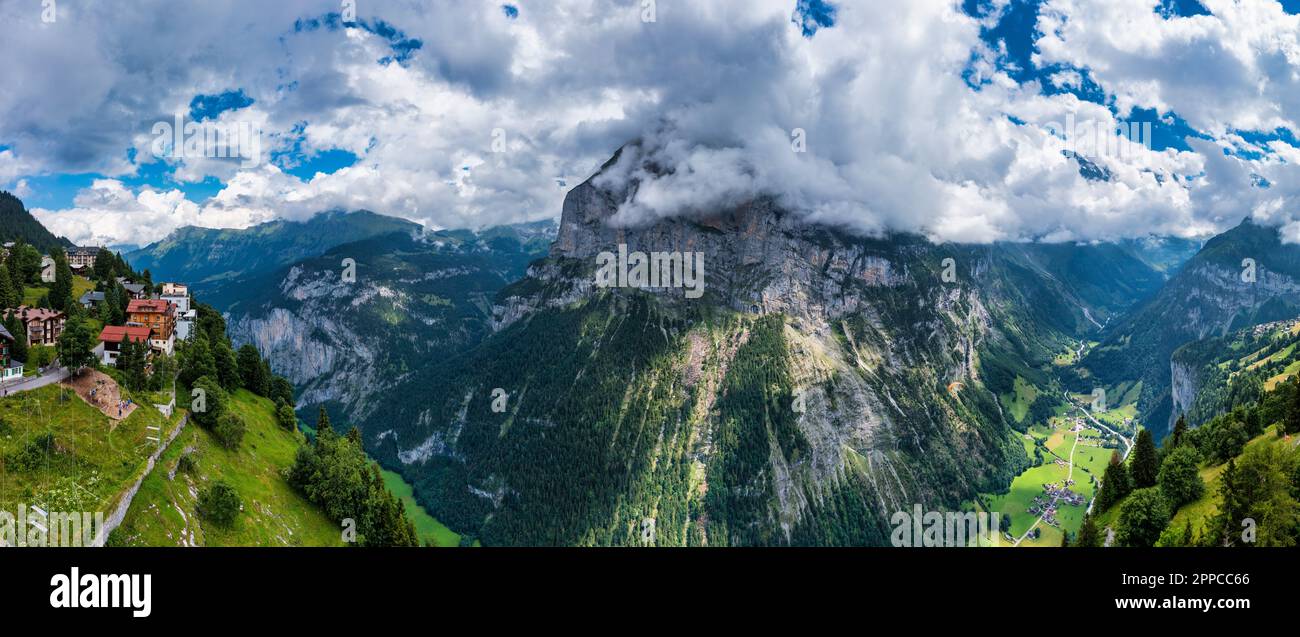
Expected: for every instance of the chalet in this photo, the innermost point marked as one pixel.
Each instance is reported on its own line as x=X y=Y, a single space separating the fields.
x=112 y=337
x=82 y=257
x=133 y=290
x=91 y=299
x=43 y=325
x=10 y=369
x=160 y=317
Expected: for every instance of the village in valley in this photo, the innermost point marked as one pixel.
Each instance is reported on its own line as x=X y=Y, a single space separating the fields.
x=1068 y=450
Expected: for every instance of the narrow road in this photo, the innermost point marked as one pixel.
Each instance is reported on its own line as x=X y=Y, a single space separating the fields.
x=1069 y=476
x=27 y=384
x=1128 y=444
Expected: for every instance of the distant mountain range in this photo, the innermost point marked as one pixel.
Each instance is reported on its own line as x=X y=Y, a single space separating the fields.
x=205 y=256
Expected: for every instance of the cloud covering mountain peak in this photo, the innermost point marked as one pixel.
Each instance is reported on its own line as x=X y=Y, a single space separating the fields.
x=909 y=116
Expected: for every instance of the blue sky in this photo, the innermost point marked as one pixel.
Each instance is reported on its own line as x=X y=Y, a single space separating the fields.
x=940 y=118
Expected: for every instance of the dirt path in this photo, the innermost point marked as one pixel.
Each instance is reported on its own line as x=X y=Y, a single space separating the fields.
x=100 y=391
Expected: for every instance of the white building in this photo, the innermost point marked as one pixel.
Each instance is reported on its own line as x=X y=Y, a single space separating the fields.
x=47 y=269
x=182 y=302
x=185 y=324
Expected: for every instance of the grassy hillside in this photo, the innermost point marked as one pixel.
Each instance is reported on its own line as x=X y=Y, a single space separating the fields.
x=274 y=514
x=430 y=530
x=32 y=295
x=1199 y=512
x=61 y=454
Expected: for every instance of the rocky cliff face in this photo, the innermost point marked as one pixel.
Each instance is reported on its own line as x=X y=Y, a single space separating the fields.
x=820 y=383
x=344 y=342
x=1183 y=385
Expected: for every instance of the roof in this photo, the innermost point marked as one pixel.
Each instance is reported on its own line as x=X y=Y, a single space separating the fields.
x=92 y=296
x=29 y=314
x=83 y=250
x=115 y=334
x=148 y=306
x=4 y=333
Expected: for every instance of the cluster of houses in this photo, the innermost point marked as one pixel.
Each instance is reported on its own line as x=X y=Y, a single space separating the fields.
x=158 y=320
x=1266 y=328
x=1053 y=496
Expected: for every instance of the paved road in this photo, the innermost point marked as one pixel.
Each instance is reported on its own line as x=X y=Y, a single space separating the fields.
x=27 y=384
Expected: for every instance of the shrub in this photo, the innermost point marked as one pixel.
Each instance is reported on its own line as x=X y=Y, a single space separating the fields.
x=219 y=503
x=229 y=431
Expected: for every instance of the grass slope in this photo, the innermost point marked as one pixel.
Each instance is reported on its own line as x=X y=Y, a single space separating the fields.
x=274 y=514
x=90 y=463
x=429 y=530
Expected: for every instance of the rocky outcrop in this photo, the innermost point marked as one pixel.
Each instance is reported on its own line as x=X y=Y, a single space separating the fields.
x=1183 y=386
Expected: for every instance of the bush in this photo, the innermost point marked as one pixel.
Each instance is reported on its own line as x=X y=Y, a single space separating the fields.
x=33 y=455
x=186 y=463
x=219 y=503
x=214 y=402
x=230 y=431
x=285 y=416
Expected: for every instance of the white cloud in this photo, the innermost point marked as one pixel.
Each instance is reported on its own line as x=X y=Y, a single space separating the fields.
x=896 y=138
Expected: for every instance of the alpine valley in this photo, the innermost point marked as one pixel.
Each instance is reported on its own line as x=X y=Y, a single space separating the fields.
x=823 y=381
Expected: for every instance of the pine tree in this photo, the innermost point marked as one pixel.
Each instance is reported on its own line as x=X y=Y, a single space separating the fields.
x=251 y=370
x=1180 y=428
x=227 y=365
x=1252 y=422
x=1115 y=484
x=103 y=270
x=8 y=296
x=1231 y=506
x=19 y=332
x=323 y=427
x=1291 y=424
x=1145 y=465
x=1088 y=534
x=61 y=290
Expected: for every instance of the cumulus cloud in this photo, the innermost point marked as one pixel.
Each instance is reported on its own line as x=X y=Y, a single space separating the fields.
x=465 y=116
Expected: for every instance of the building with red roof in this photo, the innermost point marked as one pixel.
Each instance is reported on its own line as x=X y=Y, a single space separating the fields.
x=112 y=337
x=159 y=316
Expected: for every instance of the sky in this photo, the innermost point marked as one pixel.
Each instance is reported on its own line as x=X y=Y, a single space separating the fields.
x=964 y=120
